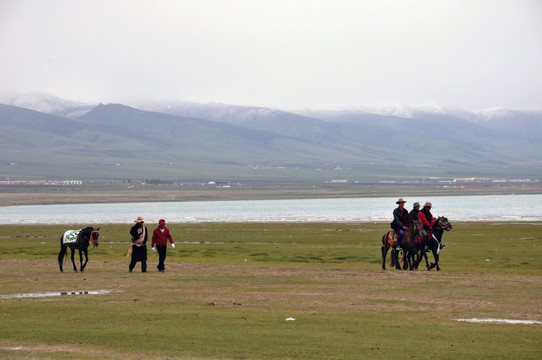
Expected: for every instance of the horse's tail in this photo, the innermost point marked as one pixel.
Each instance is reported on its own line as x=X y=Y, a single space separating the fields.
x=65 y=248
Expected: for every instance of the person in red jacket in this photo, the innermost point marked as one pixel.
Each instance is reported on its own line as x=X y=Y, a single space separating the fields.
x=428 y=221
x=160 y=237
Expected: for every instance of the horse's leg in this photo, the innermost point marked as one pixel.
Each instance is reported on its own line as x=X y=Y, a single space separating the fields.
x=384 y=253
x=73 y=260
x=81 y=259
x=436 y=252
x=437 y=258
x=395 y=255
x=404 y=258
x=61 y=255
x=418 y=259
x=411 y=260
x=424 y=254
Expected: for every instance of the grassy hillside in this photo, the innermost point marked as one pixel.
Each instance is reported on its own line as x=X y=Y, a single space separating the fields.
x=116 y=143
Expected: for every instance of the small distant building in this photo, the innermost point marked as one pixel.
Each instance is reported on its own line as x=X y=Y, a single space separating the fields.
x=472 y=179
x=219 y=184
x=73 y=182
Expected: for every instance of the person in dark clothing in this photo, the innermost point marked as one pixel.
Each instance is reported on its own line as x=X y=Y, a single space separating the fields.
x=427 y=220
x=401 y=221
x=160 y=237
x=414 y=212
x=138 y=247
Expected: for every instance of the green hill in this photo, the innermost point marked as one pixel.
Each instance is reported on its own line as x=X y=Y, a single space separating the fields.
x=110 y=142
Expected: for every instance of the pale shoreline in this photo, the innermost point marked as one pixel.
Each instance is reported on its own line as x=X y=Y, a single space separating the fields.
x=47 y=195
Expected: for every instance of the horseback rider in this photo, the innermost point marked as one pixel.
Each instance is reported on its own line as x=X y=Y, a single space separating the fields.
x=428 y=221
x=401 y=221
x=414 y=212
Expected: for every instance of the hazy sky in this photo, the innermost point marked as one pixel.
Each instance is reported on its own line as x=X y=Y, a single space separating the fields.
x=468 y=54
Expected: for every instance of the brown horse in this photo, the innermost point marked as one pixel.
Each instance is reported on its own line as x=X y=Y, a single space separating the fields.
x=389 y=240
x=409 y=245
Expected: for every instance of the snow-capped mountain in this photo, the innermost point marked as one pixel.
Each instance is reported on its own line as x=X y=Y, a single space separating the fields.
x=43 y=102
x=204 y=135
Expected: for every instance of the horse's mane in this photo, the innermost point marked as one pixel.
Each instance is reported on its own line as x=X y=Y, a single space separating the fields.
x=416 y=225
x=415 y=222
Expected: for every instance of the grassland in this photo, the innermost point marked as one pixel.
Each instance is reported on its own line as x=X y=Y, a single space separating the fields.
x=229 y=288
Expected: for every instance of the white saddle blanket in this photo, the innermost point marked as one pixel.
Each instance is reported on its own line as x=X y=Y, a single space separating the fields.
x=70 y=237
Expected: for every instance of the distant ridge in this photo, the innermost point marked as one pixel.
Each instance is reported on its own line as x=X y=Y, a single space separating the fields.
x=185 y=140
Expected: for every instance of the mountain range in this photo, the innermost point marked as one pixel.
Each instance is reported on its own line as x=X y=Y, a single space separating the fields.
x=50 y=138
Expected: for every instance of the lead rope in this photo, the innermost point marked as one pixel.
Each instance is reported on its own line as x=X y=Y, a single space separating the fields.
x=438 y=243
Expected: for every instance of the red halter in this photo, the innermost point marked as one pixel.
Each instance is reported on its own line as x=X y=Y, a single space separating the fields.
x=92 y=237
x=94 y=242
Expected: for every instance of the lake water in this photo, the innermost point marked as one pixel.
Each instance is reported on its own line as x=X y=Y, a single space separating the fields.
x=500 y=208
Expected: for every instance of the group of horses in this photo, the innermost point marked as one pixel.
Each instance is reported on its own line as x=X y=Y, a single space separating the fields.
x=413 y=250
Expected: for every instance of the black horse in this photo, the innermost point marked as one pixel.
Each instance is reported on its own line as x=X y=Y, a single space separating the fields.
x=77 y=239
x=435 y=242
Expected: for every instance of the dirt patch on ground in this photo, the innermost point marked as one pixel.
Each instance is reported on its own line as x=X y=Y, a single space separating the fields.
x=449 y=295
x=12 y=350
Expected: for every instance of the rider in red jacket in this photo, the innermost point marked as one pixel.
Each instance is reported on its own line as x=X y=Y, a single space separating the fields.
x=428 y=221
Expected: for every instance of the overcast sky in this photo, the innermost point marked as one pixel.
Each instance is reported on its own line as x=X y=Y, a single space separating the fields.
x=290 y=54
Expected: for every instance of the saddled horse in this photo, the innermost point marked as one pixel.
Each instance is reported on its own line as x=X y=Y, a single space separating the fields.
x=77 y=239
x=408 y=244
x=435 y=242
